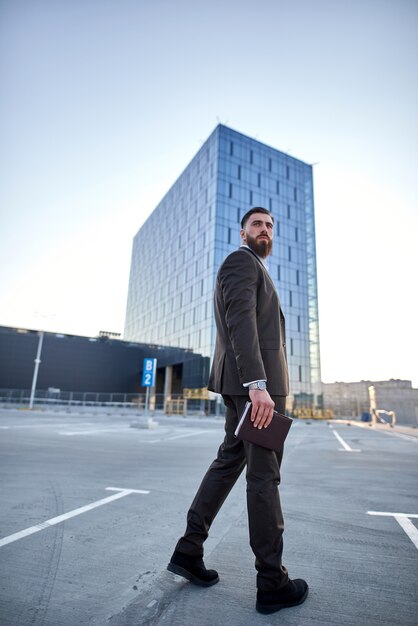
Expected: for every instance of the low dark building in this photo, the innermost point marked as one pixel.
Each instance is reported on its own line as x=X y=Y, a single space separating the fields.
x=72 y=363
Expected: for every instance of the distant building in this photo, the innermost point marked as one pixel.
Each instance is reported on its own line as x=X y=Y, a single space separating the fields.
x=177 y=252
x=110 y=334
x=352 y=399
x=91 y=368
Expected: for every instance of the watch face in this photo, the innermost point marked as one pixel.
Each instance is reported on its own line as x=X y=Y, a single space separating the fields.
x=258 y=385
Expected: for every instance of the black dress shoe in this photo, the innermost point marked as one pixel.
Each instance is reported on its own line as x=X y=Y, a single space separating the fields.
x=193 y=569
x=293 y=593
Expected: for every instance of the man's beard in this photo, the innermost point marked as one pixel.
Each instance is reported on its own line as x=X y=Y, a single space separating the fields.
x=262 y=247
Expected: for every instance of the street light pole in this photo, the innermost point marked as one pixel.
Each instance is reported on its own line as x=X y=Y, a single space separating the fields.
x=35 y=371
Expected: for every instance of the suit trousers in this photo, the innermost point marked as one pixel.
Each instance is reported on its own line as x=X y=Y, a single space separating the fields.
x=265 y=518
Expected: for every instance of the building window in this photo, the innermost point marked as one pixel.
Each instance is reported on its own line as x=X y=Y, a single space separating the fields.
x=295 y=194
x=290 y=298
x=269 y=165
x=270 y=205
x=230 y=190
x=251 y=156
x=229 y=235
x=287 y=172
x=278 y=229
x=278 y=272
x=238 y=215
x=291 y=347
x=251 y=197
x=277 y=187
x=239 y=172
x=296 y=234
x=297 y=277
x=289 y=253
x=259 y=180
x=300 y=373
x=231 y=148
x=288 y=211
x=298 y=323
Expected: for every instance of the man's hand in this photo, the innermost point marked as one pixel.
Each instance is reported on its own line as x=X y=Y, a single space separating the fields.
x=262 y=407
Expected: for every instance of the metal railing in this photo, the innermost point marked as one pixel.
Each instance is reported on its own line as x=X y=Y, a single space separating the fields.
x=55 y=398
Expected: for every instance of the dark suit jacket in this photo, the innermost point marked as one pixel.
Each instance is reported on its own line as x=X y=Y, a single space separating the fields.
x=250 y=340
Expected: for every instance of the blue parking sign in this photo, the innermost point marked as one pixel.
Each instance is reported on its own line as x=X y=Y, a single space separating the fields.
x=148 y=372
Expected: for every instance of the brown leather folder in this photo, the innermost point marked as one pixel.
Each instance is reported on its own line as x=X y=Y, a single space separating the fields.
x=272 y=437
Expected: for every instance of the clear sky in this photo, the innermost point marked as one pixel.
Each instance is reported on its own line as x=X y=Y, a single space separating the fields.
x=105 y=102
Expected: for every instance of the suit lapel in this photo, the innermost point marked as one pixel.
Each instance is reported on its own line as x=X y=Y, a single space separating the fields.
x=268 y=277
x=260 y=262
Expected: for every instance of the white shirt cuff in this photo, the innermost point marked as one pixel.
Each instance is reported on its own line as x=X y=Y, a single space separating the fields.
x=261 y=380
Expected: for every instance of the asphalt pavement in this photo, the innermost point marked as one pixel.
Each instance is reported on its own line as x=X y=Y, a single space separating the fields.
x=92 y=509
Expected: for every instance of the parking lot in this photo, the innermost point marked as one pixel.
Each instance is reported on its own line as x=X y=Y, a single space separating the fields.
x=92 y=508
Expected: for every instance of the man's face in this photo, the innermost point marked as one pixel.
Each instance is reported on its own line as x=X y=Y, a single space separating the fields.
x=258 y=234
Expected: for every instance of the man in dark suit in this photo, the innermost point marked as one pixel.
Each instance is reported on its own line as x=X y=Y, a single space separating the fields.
x=249 y=363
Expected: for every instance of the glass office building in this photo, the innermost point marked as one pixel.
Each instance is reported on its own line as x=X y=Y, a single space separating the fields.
x=177 y=252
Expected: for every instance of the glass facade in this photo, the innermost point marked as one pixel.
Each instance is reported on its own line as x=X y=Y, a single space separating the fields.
x=177 y=252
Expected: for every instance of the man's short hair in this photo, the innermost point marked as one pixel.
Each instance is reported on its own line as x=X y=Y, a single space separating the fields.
x=256 y=209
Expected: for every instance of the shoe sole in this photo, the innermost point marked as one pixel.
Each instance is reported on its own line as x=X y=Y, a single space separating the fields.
x=180 y=571
x=266 y=609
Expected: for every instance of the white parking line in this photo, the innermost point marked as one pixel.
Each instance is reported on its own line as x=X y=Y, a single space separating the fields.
x=400 y=435
x=345 y=446
x=51 y=425
x=70 y=433
x=404 y=521
x=391 y=432
x=197 y=432
x=61 y=518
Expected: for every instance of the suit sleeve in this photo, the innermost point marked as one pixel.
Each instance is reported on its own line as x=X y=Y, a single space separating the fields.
x=239 y=280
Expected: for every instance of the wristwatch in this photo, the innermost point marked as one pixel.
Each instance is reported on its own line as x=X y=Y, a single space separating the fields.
x=260 y=384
